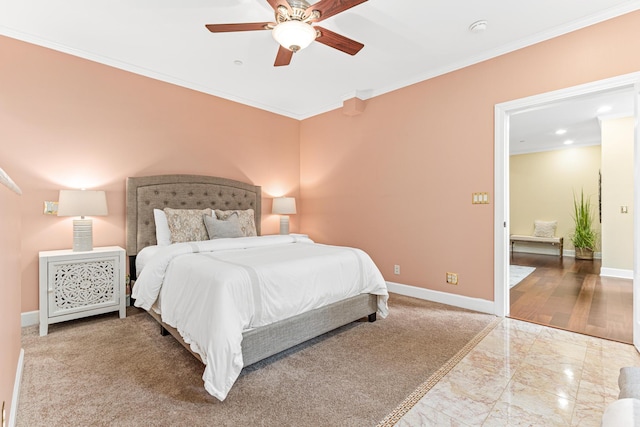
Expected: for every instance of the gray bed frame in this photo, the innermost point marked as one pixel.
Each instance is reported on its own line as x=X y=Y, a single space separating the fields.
x=199 y=192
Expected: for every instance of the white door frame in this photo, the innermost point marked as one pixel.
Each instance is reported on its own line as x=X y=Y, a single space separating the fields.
x=501 y=185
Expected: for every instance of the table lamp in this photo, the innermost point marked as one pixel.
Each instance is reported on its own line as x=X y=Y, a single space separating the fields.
x=82 y=203
x=284 y=206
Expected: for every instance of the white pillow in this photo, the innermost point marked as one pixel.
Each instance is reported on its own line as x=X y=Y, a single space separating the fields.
x=544 y=228
x=163 y=235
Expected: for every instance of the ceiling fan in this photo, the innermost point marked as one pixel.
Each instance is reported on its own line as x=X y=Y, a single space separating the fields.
x=293 y=28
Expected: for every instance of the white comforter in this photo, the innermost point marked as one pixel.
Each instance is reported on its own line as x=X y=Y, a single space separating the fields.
x=212 y=291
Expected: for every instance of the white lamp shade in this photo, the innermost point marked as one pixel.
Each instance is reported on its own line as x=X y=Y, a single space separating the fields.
x=284 y=205
x=82 y=203
x=294 y=35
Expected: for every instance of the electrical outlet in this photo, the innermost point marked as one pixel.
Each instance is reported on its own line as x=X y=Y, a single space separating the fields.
x=396 y=269
x=452 y=278
x=50 y=208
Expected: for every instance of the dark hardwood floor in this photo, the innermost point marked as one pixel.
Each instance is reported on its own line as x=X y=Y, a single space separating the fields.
x=570 y=294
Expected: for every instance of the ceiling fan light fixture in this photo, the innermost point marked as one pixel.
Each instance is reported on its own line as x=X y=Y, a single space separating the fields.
x=294 y=35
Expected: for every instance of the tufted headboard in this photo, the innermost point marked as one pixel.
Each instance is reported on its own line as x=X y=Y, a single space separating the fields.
x=182 y=192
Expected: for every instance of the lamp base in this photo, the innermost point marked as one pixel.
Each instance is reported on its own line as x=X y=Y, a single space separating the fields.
x=284 y=224
x=82 y=235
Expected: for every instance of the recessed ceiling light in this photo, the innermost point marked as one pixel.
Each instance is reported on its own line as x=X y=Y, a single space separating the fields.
x=568 y=142
x=561 y=131
x=478 y=26
x=237 y=62
x=604 y=109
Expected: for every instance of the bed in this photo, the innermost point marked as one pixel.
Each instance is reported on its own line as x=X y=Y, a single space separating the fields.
x=261 y=335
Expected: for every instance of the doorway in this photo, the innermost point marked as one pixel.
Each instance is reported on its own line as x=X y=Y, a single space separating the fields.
x=504 y=112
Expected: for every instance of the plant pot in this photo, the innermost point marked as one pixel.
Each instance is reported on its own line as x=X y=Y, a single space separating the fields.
x=584 y=253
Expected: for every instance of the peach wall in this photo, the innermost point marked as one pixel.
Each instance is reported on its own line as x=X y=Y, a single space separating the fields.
x=66 y=122
x=10 y=292
x=397 y=179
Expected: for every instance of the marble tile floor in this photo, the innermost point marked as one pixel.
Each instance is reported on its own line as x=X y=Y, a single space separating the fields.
x=523 y=374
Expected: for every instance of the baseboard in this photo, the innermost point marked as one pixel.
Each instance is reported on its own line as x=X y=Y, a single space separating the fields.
x=16 y=390
x=616 y=272
x=475 y=304
x=30 y=318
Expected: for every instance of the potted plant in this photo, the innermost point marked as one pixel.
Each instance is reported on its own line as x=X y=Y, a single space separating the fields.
x=584 y=237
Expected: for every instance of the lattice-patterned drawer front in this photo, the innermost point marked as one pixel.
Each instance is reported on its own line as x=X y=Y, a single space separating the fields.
x=84 y=284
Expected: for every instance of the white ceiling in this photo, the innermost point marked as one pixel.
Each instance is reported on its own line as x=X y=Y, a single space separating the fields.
x=534 y=130
x=406 y=41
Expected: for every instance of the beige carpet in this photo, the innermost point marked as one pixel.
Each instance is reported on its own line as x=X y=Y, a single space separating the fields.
x=105 y=371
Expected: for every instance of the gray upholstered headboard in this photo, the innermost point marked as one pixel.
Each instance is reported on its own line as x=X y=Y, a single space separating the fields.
x=182 y=192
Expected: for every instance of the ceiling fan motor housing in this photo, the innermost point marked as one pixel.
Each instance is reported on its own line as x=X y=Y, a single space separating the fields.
x=298 y=11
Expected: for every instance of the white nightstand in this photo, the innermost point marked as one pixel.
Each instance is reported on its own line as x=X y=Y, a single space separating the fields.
x=80 y=284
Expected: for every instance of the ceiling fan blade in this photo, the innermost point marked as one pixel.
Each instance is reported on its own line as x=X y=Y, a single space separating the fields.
x=337 y=41
x=227 y=28
x=328 y=8
x=283 y=57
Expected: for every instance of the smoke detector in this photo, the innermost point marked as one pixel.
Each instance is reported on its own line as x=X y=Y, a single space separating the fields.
x=478 y=26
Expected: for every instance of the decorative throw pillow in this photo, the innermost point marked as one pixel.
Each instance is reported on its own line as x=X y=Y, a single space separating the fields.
x=245 y=219
x=187 y=225
x=218 y=229
x=163 y=235
x=544 y=228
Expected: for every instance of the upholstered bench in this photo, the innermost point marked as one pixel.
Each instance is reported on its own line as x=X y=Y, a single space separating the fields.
x=543 y=232
x=534 y=239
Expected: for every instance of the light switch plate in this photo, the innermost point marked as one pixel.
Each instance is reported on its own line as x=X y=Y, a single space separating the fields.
x=480 y=198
